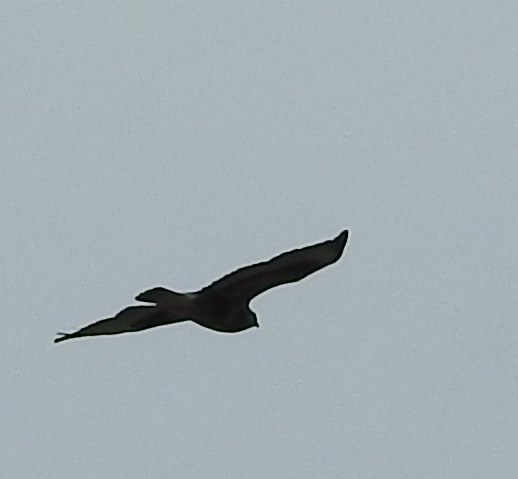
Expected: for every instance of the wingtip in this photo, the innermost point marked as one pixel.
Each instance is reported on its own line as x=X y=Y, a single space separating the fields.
x=344 y=235
x=341 y=240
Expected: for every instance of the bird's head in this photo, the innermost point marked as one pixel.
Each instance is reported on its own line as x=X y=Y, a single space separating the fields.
x=252 y=319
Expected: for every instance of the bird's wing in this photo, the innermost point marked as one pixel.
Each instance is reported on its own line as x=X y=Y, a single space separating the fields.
x=133 y=318
x=287 y=267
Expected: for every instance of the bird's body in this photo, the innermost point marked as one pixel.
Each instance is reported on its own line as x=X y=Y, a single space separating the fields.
x=222 y=306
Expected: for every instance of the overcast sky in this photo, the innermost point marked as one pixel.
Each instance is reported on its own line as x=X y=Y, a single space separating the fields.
x=167 y=143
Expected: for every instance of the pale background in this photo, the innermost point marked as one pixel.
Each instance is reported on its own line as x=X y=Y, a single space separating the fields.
x=147 y=143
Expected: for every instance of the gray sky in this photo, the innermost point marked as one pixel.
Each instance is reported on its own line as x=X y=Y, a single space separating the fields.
x=167 y=143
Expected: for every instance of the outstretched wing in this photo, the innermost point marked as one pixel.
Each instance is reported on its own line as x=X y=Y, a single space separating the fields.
x=133 y=318
x=288 y=267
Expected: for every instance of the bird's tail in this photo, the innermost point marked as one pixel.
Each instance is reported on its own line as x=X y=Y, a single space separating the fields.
x=65 y=336
x=160 y=295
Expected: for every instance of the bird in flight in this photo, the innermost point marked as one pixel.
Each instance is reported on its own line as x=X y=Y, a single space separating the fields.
x=223 y=305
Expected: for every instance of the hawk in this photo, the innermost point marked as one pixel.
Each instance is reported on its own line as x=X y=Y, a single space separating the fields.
x=224 y=305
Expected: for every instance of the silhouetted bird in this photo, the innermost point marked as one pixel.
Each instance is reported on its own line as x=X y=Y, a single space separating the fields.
x=224 y=305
